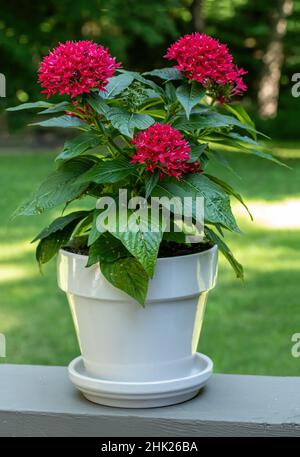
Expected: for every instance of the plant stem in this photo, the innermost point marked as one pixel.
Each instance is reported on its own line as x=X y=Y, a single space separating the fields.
x=157 y=102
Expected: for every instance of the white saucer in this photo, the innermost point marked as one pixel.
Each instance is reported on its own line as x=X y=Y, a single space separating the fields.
x=141 y=394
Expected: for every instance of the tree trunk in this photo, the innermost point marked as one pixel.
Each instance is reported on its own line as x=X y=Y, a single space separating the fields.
x=269 y=84
x=197 y=15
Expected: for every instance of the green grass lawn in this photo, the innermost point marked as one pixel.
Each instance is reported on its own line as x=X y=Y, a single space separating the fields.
x=248 y=326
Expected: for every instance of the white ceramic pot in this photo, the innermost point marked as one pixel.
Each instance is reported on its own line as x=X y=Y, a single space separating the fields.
x=121 y=341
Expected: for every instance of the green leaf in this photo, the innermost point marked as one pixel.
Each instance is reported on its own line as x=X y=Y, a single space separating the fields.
x=127 y=275
x=63 y=106
x=83 y=228
x=241 y=114
x=79 y=144
x=224 y=162
x=219 y=229
x=118 y=267
x=230 y=191
x=23 y=106
x=170 y=92
x=60 y=223
x=116 y=85
x=240 y=147
x=98 y=104
x=126 y=122
x=214 y=238
x=94 y=232
x=150 y=182
x=108 y=171
x=196 y=151
x=59 y=187
x=147 y=82
x=217 y=208
x=189 y=95
x=151 y=93
x=168 y=74
x=209 y=120
x=107 y=248
x=242 y=138
x=62 y=121
x=159 y=113
x=204 y=161
x=50 y=245
x=144 y=242
x=176 y=237
x=265 y=155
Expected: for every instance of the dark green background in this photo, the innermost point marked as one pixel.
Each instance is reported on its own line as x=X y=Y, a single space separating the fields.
x=138 y=33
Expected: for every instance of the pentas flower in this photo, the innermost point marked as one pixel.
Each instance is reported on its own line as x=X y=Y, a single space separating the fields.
x=76 y=67
x=204 y=59
x=163 y=148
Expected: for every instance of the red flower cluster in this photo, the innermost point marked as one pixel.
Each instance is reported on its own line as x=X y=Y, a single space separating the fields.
x=76 y=67
x=204 y=59
x=162 y=147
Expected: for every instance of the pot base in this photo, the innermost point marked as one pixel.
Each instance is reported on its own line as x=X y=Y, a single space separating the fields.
x=141 y=394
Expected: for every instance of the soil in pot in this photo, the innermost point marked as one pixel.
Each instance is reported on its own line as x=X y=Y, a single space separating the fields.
x=167 y=249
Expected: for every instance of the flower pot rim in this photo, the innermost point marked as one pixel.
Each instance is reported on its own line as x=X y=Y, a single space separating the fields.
x=159 y=259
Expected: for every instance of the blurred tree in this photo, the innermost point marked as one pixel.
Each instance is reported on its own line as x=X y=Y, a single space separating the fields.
x=269 y=84
x=197 y=15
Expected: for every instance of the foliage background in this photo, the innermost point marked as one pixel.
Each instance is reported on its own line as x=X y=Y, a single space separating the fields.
x=138 y=33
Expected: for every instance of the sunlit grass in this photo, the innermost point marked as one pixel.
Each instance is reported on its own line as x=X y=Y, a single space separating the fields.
x=15 y=272
x=16 y=250
x=283 y=214
x=247 y=327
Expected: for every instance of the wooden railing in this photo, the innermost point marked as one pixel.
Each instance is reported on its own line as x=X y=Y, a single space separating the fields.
x=40 y=401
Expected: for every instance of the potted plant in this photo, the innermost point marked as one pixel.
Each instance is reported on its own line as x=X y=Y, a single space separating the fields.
x=137 y=289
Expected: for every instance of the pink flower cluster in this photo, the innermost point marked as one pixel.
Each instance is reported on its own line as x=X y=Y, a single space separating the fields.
x=204 y=59
x=163 y=148
x=75 y=67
